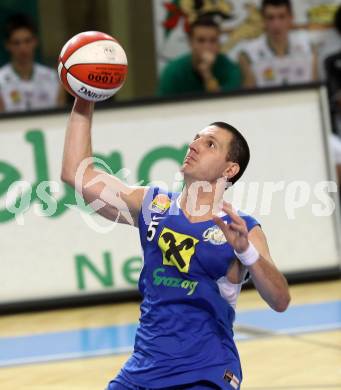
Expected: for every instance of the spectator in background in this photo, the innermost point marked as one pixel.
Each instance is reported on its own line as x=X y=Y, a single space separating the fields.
x=331 y=43
x=278 y=57
x=335 y=147
x=24 y=84
x=204 y=69
x=332 y=66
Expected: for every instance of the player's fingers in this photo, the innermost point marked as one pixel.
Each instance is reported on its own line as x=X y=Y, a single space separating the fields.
x=239 y=228
x=234 y=216
x=218 y=221
x=227 y=207
x=223 y=226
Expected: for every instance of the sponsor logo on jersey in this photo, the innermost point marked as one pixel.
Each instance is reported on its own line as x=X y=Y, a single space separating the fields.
x=159 y=279
x=160 y=204
x=177 y=249
x=157 y=218
x=15 y=96
x=214 y=235
x=154 y=223
x=231 y=378
x=268 y=74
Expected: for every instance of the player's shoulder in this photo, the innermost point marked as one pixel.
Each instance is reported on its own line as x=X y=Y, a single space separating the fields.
x=46 y=71
x=300 y=41
x=6 y=70
x=250 y=221
x=254 y=48
x=160 y=197
x=157 y=200
x=255 y=43
x=223 y=59
x=178 y=63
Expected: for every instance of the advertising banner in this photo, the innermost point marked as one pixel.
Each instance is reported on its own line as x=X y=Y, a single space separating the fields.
x=52 y=246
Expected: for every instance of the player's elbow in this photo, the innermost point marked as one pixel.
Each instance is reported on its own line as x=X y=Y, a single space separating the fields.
x=67 y=177
x=282 y=303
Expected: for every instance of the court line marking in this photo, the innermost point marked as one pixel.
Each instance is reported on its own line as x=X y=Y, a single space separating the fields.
x=336 y=386
x=309 y=329
x=83 y=343
x=64 y=356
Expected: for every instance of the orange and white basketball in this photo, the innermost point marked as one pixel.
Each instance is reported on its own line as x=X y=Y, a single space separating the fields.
x=92 y=65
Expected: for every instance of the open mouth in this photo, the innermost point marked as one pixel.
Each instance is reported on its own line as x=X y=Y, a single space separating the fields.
x=189 y=158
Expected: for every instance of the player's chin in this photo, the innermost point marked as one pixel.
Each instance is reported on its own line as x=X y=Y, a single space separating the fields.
x=187 y=169
x=184 y=167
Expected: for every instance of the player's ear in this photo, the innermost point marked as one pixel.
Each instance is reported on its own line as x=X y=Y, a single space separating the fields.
x=231 y=170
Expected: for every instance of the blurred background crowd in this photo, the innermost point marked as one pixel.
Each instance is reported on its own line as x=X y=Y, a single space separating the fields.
x=176 y=47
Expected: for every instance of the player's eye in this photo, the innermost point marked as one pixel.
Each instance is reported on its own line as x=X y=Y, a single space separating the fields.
x=211 y=144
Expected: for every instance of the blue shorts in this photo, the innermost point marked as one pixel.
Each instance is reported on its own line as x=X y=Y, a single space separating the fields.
x=201 y=385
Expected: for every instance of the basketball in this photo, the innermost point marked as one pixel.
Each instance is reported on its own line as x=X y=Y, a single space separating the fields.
x=92 y=65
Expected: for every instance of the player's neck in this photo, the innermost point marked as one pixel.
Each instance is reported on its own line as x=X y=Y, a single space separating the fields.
x=279 y=46
x=23 y=70
x=200 y=203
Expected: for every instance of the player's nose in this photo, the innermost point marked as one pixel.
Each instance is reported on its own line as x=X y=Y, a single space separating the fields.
x=194 y=146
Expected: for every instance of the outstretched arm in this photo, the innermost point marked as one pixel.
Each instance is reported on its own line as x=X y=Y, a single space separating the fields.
x=268 y=280
x=111 y=197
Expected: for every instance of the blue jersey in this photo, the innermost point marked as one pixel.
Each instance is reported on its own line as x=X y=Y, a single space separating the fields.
x=185 y=332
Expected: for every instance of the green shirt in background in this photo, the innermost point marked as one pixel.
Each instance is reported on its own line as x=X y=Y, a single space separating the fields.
x=179 y=76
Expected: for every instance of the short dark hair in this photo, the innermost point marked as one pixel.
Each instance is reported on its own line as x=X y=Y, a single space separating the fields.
x=276 y=3
x=239 y=151
x=202 y=21
x=16 y=22
x=337 y=20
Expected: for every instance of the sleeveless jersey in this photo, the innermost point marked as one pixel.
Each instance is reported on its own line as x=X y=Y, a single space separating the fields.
x=185 y=331
x=40 y=92
x=270 y=70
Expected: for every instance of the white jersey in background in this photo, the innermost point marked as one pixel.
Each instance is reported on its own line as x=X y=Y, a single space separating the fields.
x=270 y=70
x=39 y=92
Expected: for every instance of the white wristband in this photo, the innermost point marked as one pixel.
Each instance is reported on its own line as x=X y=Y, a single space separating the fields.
x=249 y=256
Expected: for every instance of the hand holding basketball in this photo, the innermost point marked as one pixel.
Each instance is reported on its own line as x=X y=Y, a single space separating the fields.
x=92 y=66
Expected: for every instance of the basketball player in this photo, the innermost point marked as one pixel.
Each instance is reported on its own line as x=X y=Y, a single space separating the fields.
x=24 y=84
x=196 y=253
x=279 y=56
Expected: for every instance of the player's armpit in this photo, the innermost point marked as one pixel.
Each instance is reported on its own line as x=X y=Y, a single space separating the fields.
x=236 y=272
x=110 y=197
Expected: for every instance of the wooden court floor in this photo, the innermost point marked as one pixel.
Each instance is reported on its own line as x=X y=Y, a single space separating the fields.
x=293 y=361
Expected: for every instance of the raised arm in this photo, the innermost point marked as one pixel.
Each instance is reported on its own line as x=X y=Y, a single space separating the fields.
x=110 y=197
x=268 y=280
